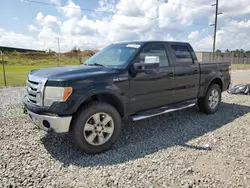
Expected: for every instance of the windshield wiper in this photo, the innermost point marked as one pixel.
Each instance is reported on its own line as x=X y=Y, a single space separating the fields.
x=97 y=64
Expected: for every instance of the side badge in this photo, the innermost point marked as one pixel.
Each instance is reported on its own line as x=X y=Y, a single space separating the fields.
x=120 y=79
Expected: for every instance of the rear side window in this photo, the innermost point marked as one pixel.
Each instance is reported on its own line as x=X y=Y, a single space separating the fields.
x=182 y=55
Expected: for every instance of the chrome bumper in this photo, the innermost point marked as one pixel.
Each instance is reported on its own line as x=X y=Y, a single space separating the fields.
x=56 y=123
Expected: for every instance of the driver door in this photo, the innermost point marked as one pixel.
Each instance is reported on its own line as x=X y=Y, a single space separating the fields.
x=149 y=91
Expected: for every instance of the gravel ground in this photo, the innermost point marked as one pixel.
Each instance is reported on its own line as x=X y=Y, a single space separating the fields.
x=181 y=149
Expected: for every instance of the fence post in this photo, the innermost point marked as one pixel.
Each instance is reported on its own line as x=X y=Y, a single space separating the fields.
x=244 y=60
x=4 y=75
x=58 y=60
x=232 y=59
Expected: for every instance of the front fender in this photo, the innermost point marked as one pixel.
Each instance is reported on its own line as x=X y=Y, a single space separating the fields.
x=100 y=88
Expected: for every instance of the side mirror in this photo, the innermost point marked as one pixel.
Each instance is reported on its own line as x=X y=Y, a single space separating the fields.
x=150 y=65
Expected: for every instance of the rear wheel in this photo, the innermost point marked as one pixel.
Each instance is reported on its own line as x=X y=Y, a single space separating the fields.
x=211 y=102
x=96 y=127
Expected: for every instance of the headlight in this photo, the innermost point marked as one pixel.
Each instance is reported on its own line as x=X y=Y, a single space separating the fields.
x=52 y=94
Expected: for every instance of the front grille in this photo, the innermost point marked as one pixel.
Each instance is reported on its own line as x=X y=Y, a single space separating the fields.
x=35 y=87
x=32 y=91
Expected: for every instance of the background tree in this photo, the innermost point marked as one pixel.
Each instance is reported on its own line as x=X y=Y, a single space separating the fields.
x=75 y=49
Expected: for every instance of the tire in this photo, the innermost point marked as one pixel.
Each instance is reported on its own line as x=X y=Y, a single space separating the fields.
x=84 y=121
x=204 y=104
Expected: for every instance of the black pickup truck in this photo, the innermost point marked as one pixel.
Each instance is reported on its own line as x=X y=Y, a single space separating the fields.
x=137 y=79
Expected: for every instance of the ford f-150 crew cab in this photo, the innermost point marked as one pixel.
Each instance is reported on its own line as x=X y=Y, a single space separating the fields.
x=137 y=79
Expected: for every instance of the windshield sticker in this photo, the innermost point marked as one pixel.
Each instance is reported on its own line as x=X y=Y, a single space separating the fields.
x=133 y=45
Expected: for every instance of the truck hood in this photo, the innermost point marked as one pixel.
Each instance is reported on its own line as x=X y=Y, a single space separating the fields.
x=68 y=71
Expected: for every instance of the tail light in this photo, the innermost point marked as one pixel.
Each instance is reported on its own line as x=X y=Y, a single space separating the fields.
x=230 y=70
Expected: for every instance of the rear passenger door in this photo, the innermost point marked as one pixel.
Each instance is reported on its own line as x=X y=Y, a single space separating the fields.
x=186 y=73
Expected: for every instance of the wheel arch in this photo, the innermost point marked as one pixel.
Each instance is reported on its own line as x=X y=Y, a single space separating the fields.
x=104 y=96
x=215 y=80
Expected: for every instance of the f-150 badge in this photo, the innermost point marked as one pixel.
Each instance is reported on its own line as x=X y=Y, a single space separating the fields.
x=120 y=79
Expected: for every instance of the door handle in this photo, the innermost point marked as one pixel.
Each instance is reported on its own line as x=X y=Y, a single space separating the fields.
x=195 y=71
x=170 y=74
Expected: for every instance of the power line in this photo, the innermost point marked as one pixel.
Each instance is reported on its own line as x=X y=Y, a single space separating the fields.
x=235 y=34
x=199 y=3
x=84 y=9
x=230 y=16
x=230 y=31
x=106 y=12
x=116 y=13
x=185 y=5
x=219 y=9
x=233 y=18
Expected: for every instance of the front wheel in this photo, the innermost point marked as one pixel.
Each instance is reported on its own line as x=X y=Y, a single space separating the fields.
x=211 y=102
x=96 y=127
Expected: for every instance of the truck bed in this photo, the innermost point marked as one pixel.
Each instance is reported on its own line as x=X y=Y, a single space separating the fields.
x=219 y=69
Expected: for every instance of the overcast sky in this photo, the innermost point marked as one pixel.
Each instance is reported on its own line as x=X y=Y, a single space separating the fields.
x=93 y=24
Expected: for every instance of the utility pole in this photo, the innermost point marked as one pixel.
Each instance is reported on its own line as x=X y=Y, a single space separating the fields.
x=58 y=59
x=215 y=26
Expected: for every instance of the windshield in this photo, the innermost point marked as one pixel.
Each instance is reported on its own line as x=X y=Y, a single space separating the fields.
x=114 y=56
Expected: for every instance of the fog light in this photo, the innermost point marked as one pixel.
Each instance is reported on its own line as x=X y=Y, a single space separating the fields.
x=46 y=124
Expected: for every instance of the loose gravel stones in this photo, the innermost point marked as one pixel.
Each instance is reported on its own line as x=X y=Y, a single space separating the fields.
x=181 y=149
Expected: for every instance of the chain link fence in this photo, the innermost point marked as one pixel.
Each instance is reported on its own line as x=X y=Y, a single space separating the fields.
x=15 y=68
x=238 y=60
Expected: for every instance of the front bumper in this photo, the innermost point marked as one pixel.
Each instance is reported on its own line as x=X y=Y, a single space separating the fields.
x=59 y=124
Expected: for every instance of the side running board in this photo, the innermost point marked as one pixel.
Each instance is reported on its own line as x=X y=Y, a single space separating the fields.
x=160 y=111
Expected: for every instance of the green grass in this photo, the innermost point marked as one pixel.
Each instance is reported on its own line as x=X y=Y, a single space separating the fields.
x=17 y=68
x=16 y=74
x=240 y=66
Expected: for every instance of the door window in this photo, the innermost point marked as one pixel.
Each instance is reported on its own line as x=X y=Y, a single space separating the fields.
x=154 y=50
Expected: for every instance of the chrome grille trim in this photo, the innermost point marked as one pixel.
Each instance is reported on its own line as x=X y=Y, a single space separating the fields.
x=32 y=98
x=35 y=89
x=31 y=85
x=31 y=91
